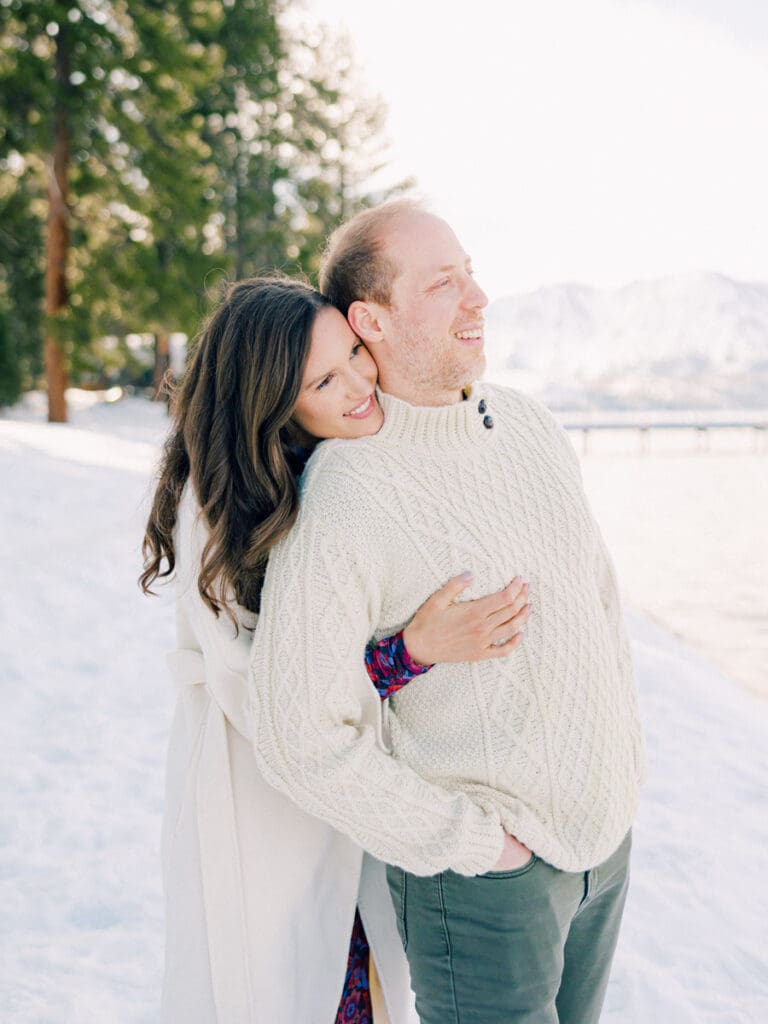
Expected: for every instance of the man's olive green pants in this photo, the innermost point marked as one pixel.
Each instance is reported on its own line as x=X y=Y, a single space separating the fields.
x=531 y=946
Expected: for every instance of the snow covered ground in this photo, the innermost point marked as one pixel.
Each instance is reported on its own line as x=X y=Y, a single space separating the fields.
x=86 y=707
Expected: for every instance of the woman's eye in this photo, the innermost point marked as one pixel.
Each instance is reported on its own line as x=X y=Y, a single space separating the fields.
x=444 y=282
x=356 y=349
x=325 y=382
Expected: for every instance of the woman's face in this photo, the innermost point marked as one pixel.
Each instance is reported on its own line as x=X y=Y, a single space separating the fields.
x=337 y=390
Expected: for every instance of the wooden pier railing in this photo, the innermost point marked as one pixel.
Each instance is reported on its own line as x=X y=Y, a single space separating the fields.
x=701 y=425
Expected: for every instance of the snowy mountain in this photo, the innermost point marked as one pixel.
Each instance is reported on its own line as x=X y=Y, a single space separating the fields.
x=693 y=341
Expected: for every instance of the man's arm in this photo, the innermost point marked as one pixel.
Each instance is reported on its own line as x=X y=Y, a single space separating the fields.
x=311 y=713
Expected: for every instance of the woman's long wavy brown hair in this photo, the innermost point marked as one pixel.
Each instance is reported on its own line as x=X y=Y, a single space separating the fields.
x=232 y=435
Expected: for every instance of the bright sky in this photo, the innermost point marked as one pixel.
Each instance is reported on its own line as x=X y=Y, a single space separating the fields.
x=578 y=140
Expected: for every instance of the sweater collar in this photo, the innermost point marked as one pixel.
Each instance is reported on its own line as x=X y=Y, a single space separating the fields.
x=466 y=422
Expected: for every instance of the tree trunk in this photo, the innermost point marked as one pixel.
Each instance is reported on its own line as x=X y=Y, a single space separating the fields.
x=240 y=230
x=162 y=363
x=344 y=212
x=57 y=242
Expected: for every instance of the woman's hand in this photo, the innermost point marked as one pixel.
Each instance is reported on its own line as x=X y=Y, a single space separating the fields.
x=488 y=627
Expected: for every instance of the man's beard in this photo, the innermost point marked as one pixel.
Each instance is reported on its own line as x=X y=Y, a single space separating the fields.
x=437 y=368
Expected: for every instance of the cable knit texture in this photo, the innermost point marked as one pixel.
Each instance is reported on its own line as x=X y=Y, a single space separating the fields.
x=546 y=742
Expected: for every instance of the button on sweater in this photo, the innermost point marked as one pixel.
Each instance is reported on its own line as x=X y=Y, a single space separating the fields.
x=546 y=743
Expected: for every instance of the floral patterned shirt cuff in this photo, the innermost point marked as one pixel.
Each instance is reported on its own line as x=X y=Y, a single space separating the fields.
x=390 y=666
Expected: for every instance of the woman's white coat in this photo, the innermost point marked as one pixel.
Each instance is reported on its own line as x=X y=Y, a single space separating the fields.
x=260 y=897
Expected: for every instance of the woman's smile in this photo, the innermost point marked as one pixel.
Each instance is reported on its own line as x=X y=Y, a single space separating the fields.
x=364 y=409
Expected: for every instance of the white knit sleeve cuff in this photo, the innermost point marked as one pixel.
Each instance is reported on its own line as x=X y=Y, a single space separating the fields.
x=484 y=841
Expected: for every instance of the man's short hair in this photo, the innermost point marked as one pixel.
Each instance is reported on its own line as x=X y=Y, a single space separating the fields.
x=354 y=266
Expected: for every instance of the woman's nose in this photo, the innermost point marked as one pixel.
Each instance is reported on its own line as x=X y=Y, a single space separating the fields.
x=358 y=385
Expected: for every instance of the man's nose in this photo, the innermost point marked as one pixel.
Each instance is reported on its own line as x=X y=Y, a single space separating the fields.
x=474 y=297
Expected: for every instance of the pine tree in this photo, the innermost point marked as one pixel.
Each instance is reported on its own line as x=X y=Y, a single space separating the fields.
x=242 y=127
x=147 y=146
x=22 y=218
x=297 y=141
x=155 y=254
x=96 y=92
x=336 y=149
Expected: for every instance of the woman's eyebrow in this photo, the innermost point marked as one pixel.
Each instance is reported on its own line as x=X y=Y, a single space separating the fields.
x=316 y=380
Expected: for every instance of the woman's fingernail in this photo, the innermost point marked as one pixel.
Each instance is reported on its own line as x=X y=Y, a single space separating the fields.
x=466 y=576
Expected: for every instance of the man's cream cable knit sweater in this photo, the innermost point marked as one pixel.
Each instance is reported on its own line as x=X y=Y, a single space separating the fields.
x=545 y=743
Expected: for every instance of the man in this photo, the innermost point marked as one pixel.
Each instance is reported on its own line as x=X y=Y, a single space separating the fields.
x=505 y=807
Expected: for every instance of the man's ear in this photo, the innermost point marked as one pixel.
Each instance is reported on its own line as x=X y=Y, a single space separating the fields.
x=364 y=320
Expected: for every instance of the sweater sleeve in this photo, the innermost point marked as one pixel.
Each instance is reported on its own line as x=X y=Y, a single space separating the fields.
x=390 y=666
x=314 y=714
x=608 y=585
x=609 y=591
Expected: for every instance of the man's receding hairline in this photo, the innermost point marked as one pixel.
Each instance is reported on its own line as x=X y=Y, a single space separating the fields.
x=386 y=229
x=359 y=262
x=389 y=224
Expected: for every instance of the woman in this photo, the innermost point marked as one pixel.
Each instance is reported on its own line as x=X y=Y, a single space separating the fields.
x=269 y=911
